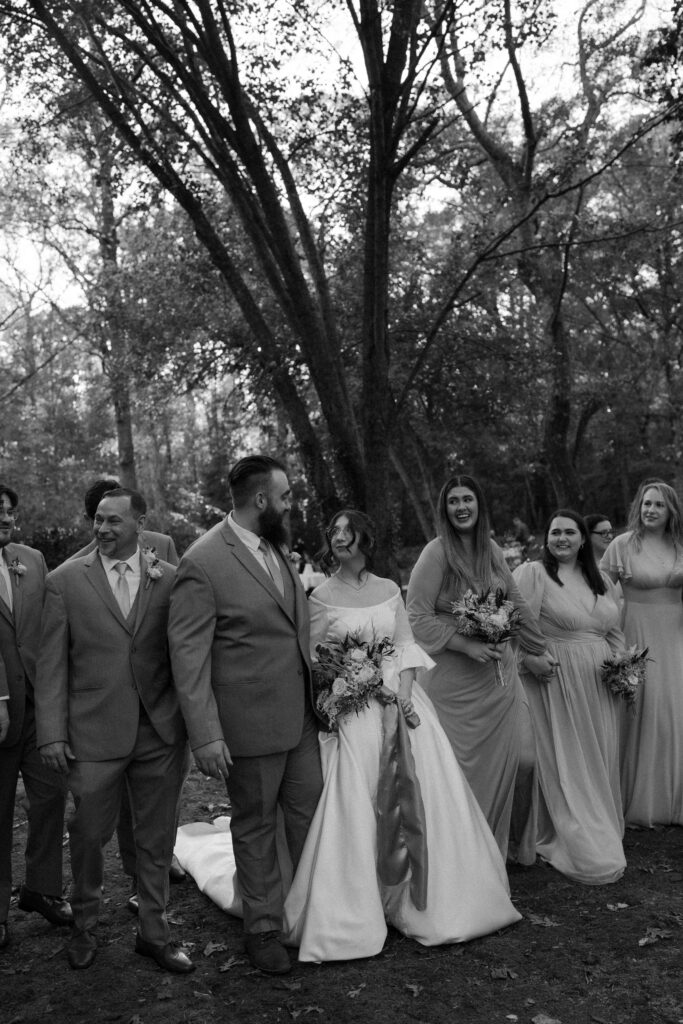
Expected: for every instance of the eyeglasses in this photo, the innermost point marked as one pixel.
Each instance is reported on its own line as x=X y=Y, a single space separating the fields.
x=603 y=533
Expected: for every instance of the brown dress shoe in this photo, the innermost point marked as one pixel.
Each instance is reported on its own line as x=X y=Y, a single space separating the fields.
x=266 y=952
x=81 y=951
x=168 y=957
x=4 y=935
x=53 y=908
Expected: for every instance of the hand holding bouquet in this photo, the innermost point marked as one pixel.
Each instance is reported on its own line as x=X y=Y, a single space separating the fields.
x=489 y=617
x=624 y=674
x=348 y=674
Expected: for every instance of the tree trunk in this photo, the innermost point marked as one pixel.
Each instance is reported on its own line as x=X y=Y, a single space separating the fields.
x=114 y=343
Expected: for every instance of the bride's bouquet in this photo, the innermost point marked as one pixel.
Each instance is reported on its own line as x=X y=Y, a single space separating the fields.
x=348 y=675
x=489 y=617
x=624 y=674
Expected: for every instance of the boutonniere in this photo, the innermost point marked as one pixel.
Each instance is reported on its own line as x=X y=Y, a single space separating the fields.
x=17 y=567
x=153 y=570
x=293 y=557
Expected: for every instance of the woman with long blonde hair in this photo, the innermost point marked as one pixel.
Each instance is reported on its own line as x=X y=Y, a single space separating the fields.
x=487 y=724
x=648 y=561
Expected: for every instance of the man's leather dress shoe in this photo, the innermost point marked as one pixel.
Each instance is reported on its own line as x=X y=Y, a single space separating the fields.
x=81 y=951
x=266 y=952
x=53 y=908
x=169 y=957
x=4 y=935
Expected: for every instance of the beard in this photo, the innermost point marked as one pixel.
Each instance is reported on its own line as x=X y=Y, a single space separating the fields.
x=274 y=527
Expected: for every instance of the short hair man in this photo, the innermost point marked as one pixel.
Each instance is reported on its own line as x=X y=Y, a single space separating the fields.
x=165 y=549
x=161 y=542
x=239 y=636
x=22 y=582
x=108 y=716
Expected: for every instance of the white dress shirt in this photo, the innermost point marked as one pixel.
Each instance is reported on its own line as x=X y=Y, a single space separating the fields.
x=7 y=576
x=251 y=541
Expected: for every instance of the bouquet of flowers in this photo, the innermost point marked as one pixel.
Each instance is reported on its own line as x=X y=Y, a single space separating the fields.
x=624 y=674
x=348 y=674
x=488 y=617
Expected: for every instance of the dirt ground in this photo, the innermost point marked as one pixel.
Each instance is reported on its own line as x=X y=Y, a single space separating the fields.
x=582 y=955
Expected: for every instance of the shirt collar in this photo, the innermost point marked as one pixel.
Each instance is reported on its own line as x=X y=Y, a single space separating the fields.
x=133 y=562
x=248 y=537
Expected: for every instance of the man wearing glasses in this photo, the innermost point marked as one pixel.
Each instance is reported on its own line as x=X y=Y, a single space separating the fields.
x=22 y=582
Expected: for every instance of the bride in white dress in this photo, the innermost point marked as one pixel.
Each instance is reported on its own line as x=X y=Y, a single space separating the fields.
x=337 y=908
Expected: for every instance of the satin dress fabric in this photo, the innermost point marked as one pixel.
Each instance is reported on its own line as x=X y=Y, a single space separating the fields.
x=652 y=739
x=575 y=718
x=488 y=725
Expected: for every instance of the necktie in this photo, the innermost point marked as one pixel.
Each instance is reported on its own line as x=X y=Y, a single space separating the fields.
x=4 y=592
x=272 y=565
x=121 y=589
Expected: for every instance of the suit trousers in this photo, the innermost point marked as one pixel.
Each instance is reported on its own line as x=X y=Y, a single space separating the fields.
x=46 y=792
x=153 y=772
x=256 y=786
x=125 y=826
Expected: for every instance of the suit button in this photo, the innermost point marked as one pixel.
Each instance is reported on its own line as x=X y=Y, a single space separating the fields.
x=301 y=671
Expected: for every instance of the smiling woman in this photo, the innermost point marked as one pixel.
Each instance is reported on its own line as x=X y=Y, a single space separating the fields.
x=580 y=823
x=648 y=560
x=487 y=724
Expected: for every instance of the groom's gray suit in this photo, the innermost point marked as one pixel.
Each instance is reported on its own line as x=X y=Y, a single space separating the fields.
x=241 y=665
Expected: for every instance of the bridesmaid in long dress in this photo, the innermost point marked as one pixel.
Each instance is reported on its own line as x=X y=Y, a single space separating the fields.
x=580 y=824
x=648 y=560
x=488 y=725
x=337 y=908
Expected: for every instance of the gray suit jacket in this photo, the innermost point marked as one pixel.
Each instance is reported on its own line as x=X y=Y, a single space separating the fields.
x=240 y=661
x=95 y=667
x=20 y=633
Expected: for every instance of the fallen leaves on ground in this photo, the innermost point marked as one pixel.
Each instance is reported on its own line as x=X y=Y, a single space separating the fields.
x=503 y=973
x=232 y=962
x=654 y=935
x=214 y=947
x=541 y=922
x=356 y=991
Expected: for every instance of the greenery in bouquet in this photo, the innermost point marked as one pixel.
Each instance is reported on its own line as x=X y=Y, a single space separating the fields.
x=348 y=674
x=489 y=617
x=625 y=674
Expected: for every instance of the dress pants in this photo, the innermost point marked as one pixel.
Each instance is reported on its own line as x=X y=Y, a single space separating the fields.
x=125 y=827
x=46 y=791
x=256 y=787
x=153 y=772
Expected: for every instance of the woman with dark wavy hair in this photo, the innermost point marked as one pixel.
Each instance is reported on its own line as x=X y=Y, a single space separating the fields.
x=487 y=724
x=648 y=561
x=341 y=897
x=580 y=824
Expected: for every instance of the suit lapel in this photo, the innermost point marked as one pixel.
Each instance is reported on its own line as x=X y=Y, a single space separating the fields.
x=247 y=560
x=97 y=578
x=145 y=592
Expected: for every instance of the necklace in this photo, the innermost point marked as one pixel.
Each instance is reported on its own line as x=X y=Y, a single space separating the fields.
x=354 y=586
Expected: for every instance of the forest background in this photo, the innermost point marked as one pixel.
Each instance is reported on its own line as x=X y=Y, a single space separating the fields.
x=387 y=241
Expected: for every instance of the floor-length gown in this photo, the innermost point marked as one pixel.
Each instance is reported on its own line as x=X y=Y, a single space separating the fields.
x=575 y=717
x=652 y=739
x=336 y=908
x=488 y=725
